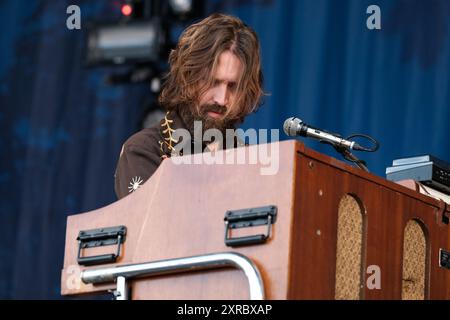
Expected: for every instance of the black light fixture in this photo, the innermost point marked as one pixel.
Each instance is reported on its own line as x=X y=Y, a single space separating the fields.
x=133 y=42
x=141 y=41
x=142 y=35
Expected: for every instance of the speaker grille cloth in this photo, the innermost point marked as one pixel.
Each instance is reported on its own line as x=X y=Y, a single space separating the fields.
x=414 y=257
x=349 y=250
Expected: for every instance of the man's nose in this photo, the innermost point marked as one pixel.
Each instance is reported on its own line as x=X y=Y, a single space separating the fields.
x=221 y=95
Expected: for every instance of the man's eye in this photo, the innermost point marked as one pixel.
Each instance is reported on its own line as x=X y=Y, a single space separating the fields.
x=232 y=86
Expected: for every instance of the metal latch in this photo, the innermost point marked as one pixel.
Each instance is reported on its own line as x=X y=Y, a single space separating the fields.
x=444 y=259
x=245 y=218
x=99 y=238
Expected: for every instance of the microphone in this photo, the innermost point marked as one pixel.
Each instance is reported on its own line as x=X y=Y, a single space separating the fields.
x=294 y=127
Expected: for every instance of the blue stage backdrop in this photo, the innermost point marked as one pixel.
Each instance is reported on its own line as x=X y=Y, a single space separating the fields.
x=62 y=126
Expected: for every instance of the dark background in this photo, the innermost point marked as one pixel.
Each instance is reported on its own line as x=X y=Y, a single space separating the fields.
x=62 y=127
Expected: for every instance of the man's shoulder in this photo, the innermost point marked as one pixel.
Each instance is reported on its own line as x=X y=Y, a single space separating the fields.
x=145 y=138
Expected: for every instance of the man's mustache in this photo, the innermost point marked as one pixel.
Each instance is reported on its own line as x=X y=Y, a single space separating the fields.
x=213 y=108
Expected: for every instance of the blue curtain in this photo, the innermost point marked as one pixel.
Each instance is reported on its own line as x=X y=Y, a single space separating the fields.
x=62 y=130
x=62 y=126
x=323 y=65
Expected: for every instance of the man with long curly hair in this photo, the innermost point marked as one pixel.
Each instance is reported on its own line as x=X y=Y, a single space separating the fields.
x=215 y=79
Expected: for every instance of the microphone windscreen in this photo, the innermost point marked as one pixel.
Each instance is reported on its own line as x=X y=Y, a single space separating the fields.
x=291 y=126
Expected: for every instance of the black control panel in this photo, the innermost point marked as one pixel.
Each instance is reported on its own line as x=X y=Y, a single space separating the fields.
x=426 y=169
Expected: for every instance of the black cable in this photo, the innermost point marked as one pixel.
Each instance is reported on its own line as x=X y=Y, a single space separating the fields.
x=375 y=142
x=347 y=155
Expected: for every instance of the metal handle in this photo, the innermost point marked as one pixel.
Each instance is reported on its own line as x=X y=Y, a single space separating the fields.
x=101 y=259
x=98 y=238
x=245 y=241
x=245 y=218
x=179 y=265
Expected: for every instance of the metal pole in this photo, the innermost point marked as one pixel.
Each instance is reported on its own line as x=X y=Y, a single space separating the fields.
x=181 y=265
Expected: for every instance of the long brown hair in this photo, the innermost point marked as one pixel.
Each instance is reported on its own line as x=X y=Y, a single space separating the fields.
x=195 y=58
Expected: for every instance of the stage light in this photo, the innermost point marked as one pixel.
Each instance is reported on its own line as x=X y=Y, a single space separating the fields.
x=124 y=43
x=181 y=6
x=127 y=10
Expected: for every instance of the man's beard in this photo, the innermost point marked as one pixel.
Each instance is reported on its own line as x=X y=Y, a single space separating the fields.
x=190 y=114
